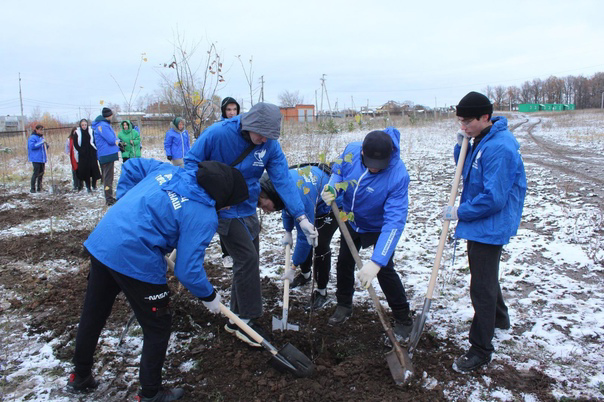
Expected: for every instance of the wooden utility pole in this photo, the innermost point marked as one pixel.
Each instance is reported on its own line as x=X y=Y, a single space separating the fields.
x=324 y=89
x=22 y=117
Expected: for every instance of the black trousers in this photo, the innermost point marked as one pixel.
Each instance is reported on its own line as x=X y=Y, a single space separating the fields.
x=326 y=226
x=485 y=293
x=150 y=303
x=37 y=176
x=388 y=278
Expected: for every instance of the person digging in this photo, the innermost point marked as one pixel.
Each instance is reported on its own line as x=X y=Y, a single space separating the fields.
x=376 y=190
x=175 y=208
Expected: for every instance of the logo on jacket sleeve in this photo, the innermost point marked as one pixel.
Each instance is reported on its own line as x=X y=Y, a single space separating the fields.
x=259 y=155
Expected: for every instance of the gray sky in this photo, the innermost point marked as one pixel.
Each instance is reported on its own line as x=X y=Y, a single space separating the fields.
x=427 y=52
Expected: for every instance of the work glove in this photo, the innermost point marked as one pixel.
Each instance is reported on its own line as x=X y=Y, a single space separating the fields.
x=287 y=239
x=312 y=236
x=460 y=137
x=169 y=157
x=121 y=146
x=288 y=274
x=449 y=213
x=367 y=273
x=212 y=302
x=328 y=194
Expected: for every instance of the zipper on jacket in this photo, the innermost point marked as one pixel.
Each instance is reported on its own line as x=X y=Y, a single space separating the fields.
x=354 y=195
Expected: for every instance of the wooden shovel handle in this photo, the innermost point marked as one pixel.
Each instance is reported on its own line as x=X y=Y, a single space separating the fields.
x=288 y=252
x=444 y=233
x=370 y=289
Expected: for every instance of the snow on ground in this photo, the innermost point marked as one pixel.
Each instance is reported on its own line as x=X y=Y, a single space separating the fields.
x=551 y=272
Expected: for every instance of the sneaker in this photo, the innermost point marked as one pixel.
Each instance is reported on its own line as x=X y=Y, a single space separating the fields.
x=402 y=329
x=239 y=333
x=227 y=262
x=341 y=314
x=164 y=395
x=83 y=385
x=470 y=362
x=299 y=280
x=317 y=301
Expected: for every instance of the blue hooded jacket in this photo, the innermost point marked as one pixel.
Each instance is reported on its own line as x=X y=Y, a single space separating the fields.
x=223 y=142
x=105 y=140
x=379 y=201
x=309 y=187
x=36 y=151
x=176 y=143
x=494 y=187
x=161 y=207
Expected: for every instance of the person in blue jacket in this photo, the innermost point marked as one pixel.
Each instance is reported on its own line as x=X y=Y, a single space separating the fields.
x=310 y=180
x=249 y=143
x=374 y=182
x=174 y=208
x=36 y=153
x=176 y=142
x=489 y=212
x=107 y=150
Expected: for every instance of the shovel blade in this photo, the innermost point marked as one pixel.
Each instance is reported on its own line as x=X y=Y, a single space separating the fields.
x=280 y=325
x=290 y=359
x=277 y=324
x=396 y=369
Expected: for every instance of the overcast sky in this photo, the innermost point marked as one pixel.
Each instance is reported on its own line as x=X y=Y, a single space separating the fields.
x=429 y=52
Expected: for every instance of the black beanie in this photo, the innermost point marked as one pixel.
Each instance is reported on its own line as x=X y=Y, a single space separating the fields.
x=226 y=101
x=223 y=183
x=377 y=149
x=474 y=104
x=266 y=185
x=106 y=112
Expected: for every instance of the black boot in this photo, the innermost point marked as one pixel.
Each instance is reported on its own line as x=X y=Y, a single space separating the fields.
x=164 y=395
x=81 y=384
x=403 y=324
x=341 y=314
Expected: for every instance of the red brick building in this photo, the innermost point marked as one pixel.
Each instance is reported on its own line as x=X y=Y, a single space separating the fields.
x=300 y=113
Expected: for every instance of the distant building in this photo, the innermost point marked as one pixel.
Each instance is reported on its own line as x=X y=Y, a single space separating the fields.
x=300 y=113
x=11 y=123
x=551 y=107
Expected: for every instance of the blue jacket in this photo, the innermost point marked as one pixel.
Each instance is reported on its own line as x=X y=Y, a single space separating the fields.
x=36 y=151
x=177 y=143
x=223 y=142
x=105 y=139
x=160 y=207
x=378 y=201
x=494 y=186
x=309 y=185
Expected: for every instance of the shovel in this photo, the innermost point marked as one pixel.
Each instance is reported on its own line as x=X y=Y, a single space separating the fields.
x=420 y=321
x=398 y=359
x=288 y=359
x=281 y=324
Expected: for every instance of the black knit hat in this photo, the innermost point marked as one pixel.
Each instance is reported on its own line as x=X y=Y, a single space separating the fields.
x=223 y=183
x=474 y=104
x=226 y=101
x=266 y=185
x=106 y=112
x=377 y=149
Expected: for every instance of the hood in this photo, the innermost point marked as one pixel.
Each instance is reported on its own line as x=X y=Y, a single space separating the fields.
x=396 y=139
x=264 y=119
x=499 y=123
x=174 y=128
x=227 y=101
x=129 y=126
x=185 y=184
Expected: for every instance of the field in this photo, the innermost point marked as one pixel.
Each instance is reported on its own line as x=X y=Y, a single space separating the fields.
x=552 y=277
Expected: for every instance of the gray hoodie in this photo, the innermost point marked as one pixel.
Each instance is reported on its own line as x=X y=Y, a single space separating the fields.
x=264 y=119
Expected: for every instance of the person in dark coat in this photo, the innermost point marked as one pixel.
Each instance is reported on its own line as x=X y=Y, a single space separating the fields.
x=85 y=154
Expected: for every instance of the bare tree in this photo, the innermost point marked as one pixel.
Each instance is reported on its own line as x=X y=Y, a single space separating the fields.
x=290 y=99
x=499 y=92
x=249 y=77
x=192 y=83
x=526 y=92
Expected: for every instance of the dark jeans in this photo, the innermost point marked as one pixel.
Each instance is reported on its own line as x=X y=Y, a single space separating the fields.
x=225 y=253
x=389 y=280
x=107 y=175
x=150 y=303
x=77 y=183
x=485 y=293
x=37 y=176
x=326 y=226
x=240 y=237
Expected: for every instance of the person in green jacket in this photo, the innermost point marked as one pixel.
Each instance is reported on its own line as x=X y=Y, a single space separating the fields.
x=130 y=141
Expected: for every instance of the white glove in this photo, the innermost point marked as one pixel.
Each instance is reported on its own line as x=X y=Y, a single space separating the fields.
x=287 y=239
x=328 y=194
x=460 y=137
x=288 y=274
x=214 y=305
x=312 y=236
x=449 y=213
x=367 y=273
